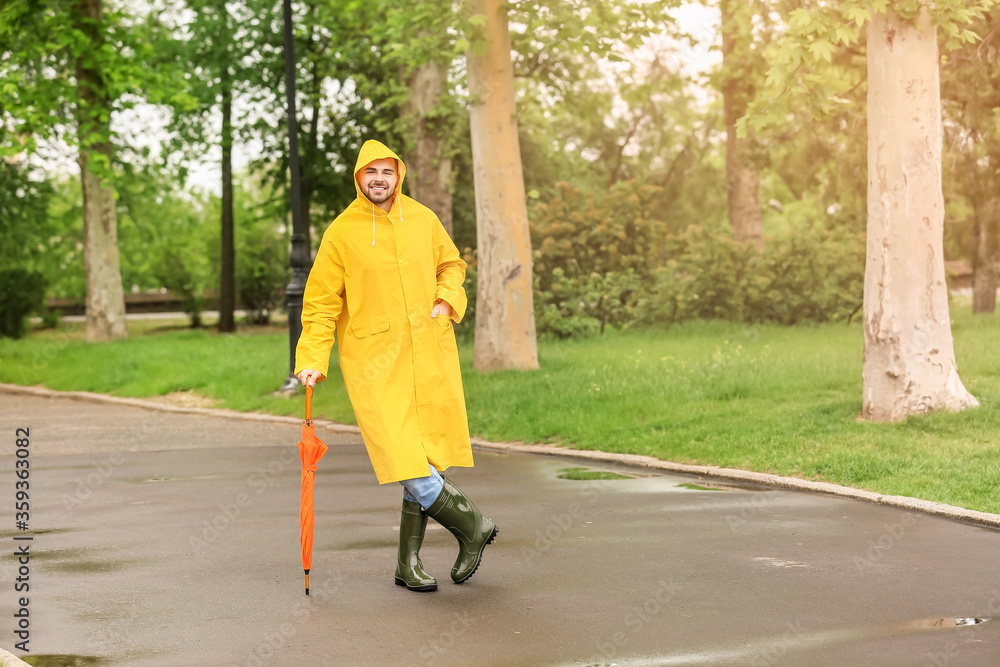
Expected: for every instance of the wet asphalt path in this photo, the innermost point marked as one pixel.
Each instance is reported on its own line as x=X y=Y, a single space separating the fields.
x=172 y=539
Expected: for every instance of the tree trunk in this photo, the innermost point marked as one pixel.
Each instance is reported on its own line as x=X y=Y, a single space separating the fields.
x=105 y=298
x=909 y=358
x=505 y=315
x=227 y=277
x=984 y=277
x=742 y=177
x=431 y=162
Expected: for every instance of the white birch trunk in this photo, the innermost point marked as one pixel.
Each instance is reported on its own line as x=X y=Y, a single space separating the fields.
x=505 y=315
x=909 y=358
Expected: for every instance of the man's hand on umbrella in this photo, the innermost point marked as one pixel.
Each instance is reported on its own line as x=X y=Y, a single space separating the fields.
x=309 y=377
x=441 y=308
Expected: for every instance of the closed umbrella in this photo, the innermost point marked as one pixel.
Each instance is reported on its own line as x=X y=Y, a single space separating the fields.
x=311 y=450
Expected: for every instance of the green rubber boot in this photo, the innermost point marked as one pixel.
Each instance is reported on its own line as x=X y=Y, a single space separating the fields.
x=409 y=569
x=462 y=518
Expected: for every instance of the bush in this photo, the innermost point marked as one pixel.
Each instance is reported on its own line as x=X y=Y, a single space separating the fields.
x=583 y=234
x=707 y=277
x=603 y=259
x=51 y=318
x=21 y=292
x=184 y=270
x=467 y=328
x=593 y=256
x=812 y=275
x=262 y=270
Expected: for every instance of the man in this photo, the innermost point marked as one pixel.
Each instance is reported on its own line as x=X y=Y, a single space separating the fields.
x=387 y=281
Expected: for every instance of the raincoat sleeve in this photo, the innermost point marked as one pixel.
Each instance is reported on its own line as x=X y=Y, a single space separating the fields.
x=450 y=273
x=322 y=304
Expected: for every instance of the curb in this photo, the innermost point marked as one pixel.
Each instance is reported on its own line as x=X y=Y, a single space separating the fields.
x=8 y=659
x=633 y=460
x=152 y=404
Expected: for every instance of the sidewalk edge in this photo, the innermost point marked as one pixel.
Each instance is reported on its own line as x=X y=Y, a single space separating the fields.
x=152 y=404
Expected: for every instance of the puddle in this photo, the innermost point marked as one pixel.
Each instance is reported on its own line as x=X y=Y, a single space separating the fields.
x=84 y=567
x=713 y=485
x=4 y=534
x=698 y=487
x=935 y=623
x=158 y=480
x=779 y=563
x=53 y=660
x=781 y=647
x=75 y=561
x=586 y=474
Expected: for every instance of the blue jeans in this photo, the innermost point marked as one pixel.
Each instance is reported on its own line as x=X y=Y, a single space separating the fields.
x=423 y=490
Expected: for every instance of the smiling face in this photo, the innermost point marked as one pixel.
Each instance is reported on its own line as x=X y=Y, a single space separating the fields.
x=378 y=181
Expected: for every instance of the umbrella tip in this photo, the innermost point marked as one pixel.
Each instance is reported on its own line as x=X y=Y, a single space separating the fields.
x=307 y=582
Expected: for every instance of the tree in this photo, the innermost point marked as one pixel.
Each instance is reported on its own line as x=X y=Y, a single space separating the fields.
x=66 y=67
x=105 y=299
x=909 y=361
x=505 y=317
x=431 y=151
x=741 y=65
x=430 y=114
x=970 y=82
x=210 y=46
x=346 y=94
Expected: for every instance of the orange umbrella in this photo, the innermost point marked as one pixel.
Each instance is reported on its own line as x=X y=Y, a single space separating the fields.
x=311 y=450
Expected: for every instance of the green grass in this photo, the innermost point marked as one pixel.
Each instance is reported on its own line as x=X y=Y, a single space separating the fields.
x=771 y=399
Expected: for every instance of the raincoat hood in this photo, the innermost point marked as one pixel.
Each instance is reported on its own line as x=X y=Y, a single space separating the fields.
x=375 y=150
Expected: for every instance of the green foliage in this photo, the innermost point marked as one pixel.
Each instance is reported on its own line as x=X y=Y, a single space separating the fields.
x=21 y=292
x=24 y=226
x=592 y=255
x=167 y=238
x=555 y=42
x=970 y=95
x=812 y=275
x=602 y=260
x=705 y=277
x=62 y=261
x=471 y=286
x=818 y=31
x=581 y=233
x=39 y=53
x=262 y=269
x=182 y=264
x=583 y=306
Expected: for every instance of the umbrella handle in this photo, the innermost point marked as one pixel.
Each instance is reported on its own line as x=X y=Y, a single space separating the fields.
x=309 y=402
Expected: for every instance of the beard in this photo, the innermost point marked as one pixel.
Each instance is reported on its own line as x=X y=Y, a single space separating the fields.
x=378 y=196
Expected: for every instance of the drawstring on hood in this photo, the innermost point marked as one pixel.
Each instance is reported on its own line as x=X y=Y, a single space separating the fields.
x=397 y=200
x=375 y=150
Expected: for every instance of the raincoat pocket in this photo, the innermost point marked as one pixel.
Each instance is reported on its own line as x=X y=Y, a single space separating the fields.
x=370 y=324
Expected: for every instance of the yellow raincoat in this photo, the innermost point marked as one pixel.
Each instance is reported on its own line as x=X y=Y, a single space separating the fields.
x=375 y=280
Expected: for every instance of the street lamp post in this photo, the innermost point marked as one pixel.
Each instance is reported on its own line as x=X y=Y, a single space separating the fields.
x=300 y=257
